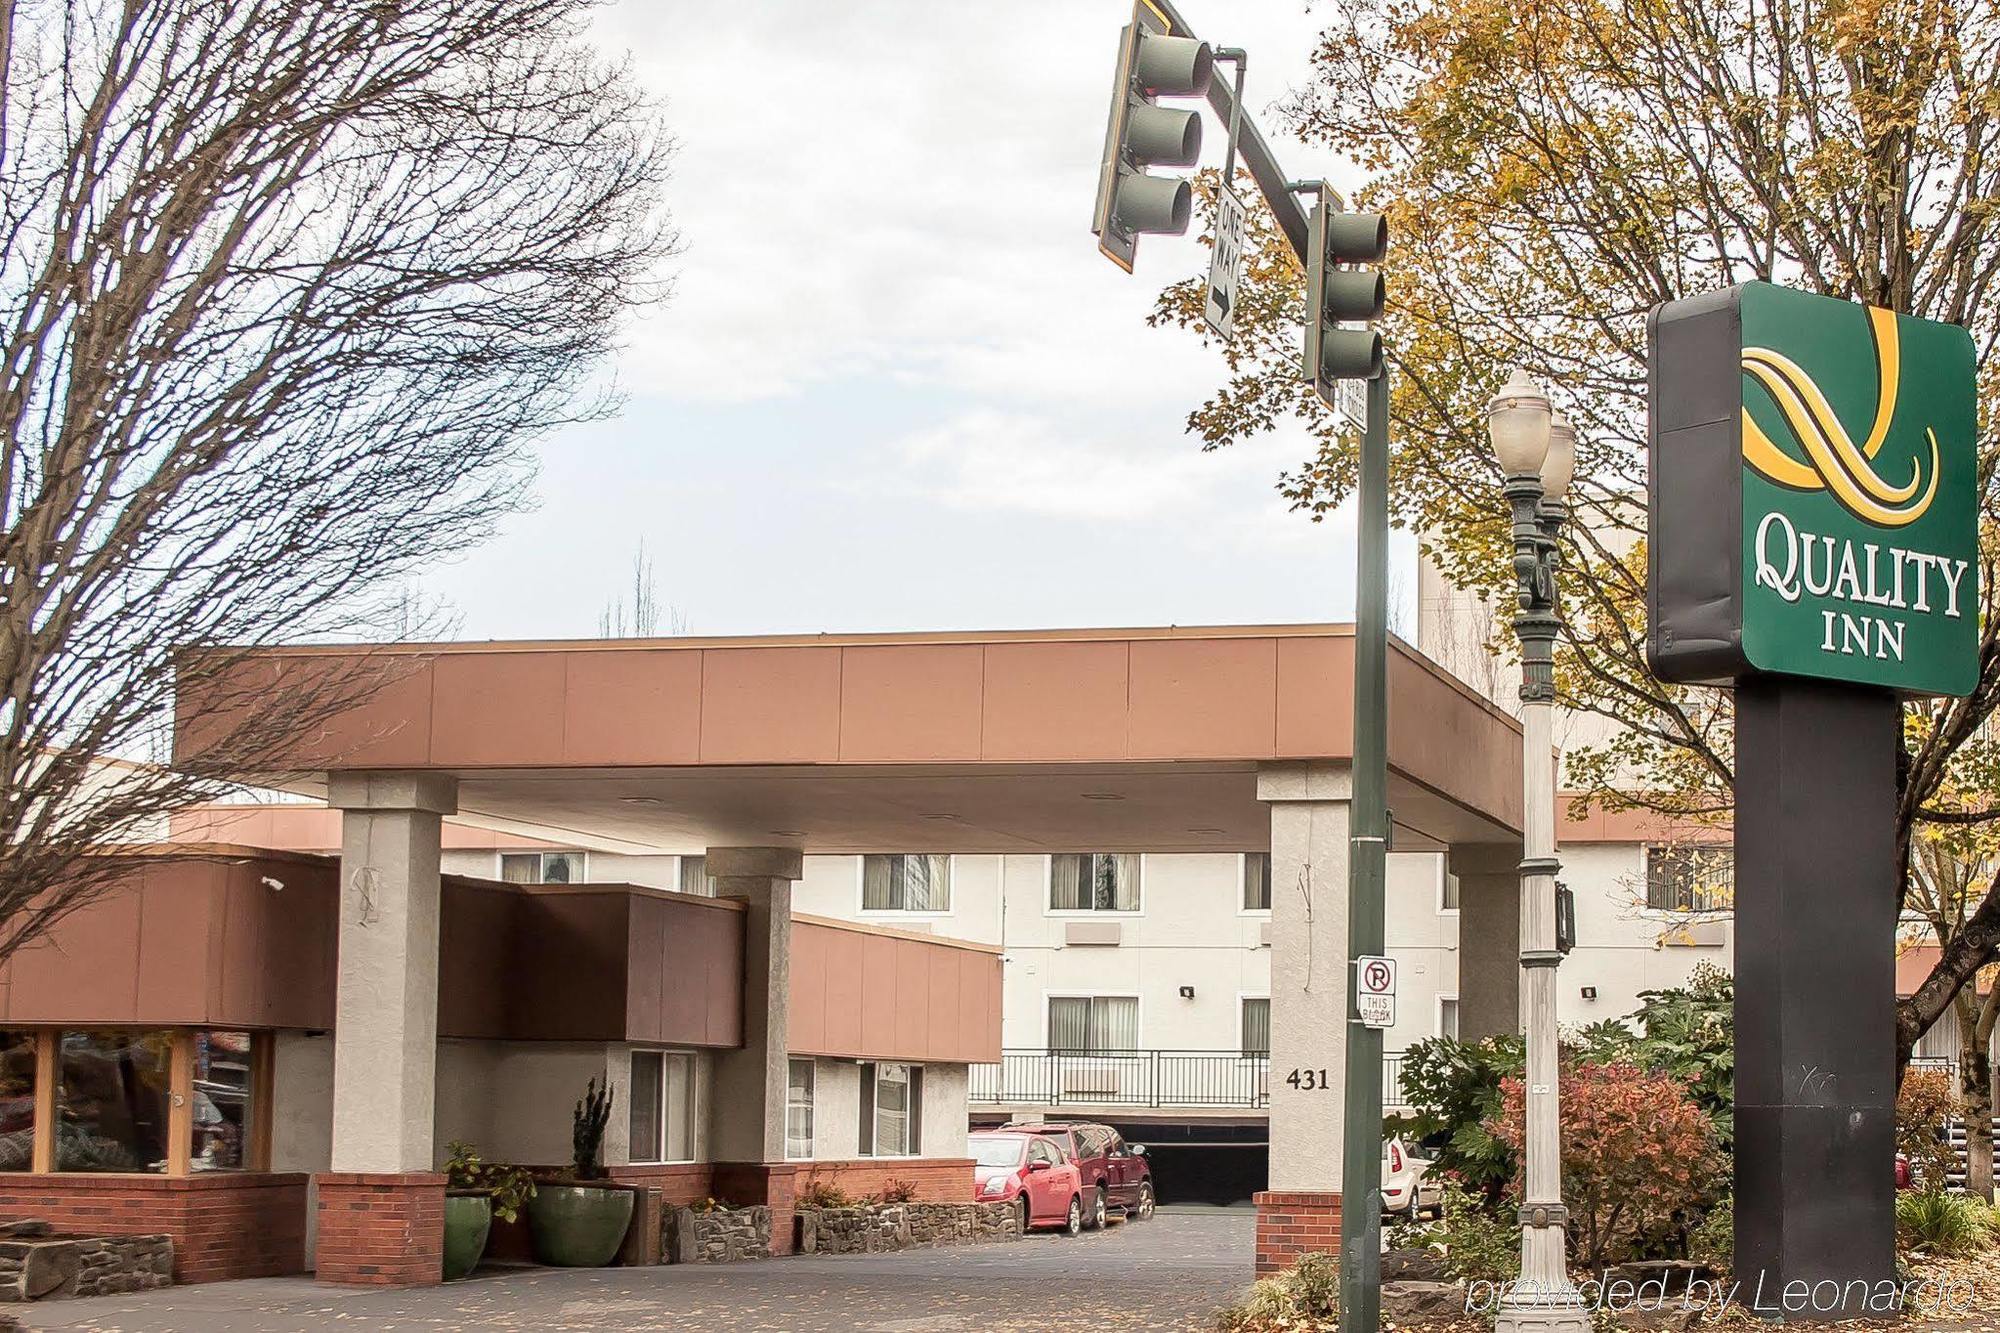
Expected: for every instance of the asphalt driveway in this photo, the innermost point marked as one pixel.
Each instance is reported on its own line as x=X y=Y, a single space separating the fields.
x=1171 y=1272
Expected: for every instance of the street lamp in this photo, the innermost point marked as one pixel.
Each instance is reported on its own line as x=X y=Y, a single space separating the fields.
x=1537 y=451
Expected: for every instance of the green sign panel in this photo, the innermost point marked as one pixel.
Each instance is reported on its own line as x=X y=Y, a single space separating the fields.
x=1814 y=495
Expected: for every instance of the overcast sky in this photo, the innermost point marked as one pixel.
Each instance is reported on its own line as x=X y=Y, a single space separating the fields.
x=897 y=387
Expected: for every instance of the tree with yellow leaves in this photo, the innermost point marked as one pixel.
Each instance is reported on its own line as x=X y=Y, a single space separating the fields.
x=1552 y=172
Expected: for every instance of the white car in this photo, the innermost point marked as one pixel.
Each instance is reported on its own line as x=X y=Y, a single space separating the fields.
x=1405 y=1187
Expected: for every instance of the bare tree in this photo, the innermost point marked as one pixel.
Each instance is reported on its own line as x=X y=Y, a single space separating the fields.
x=285 y=288
x=649 y=616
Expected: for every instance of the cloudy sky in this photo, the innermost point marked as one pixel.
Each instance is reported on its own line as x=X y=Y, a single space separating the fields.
x=897 y=387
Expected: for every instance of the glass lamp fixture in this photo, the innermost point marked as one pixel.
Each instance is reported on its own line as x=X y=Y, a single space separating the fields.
x=1559 y=464
x=1518 y=421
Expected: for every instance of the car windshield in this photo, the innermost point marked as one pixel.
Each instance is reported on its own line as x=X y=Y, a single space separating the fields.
x=990 y=1153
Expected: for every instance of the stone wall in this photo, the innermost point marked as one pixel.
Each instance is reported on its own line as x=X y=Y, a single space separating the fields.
x=716 y=1235
x=36 y=1265
x=873 y=1228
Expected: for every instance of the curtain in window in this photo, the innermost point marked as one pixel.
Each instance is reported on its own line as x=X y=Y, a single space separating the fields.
x=694 y=876
x=1069 y=1024
x=799 y=1109
x=1257 y=882
x=1116 y=1019
x=1256 y=1027
x=1094 y=882
x=643 y=1109
x=912 y=882
x=892 y=1110
x=1094 y=1023
x=679 y=1103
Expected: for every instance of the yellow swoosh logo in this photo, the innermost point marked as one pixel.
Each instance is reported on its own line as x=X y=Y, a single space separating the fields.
x=1833 y=460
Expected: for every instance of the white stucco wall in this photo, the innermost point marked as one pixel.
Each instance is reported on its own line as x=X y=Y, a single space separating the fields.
x=1619 y=941
x=302 y=1114
x=837 y=1111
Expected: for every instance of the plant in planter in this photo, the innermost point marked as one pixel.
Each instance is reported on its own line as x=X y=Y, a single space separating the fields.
x=581 y=1222
x=468 y=1210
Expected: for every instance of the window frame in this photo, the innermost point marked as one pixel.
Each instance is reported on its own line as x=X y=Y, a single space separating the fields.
x=1438 y=1002
x=1243 y=886
x=1651 y=849
x=180 y=1085
x=811 y=1107
x=1444 y=880
x=1089 y=913
x=1243 y=1001
x=1138 y=1018
x=905 y=913
x=913 y=1113
x=658 y=1155
x=542 y=866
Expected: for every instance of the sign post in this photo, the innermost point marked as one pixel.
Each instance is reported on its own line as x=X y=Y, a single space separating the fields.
x=1814 y=545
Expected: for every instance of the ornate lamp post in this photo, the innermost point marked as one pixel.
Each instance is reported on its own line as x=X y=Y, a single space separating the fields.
x=1537 y=451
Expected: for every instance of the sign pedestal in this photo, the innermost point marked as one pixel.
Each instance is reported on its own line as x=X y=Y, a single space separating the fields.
x=1816 y=878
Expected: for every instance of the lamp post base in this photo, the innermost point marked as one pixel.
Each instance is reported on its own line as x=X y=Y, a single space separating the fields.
x=1557 y=1310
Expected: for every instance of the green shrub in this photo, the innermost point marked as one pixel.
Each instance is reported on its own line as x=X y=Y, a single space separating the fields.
x=1480 y=1242
x=1690 y=1032
x=1307 y=1291
x=1942 y=1223
x=1714 y=1241
x=1453 y=1089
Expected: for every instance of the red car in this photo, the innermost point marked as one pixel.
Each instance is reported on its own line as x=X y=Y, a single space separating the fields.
x=1033 y=1172
x=1115 y=1173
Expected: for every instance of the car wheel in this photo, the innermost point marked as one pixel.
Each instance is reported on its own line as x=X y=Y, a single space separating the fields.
x=1094 y=1221
x=1074 y=1226
x=1021 y=1211
x=1144 y=1210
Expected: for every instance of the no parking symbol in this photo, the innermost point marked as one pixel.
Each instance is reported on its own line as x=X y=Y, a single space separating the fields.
x=1375 y=990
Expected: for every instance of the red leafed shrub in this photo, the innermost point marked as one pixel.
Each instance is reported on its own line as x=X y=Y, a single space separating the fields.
x=1639 y=1157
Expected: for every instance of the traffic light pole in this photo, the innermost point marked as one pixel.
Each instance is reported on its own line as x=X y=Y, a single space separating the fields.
x=1368 y=824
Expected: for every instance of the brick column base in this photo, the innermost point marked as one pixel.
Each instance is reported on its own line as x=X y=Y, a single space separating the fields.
x=1291 y=1223
x=773 y=1184
x=380 y=1230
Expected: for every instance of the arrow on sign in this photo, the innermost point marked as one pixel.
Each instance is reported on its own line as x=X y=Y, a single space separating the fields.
x=1219 y=298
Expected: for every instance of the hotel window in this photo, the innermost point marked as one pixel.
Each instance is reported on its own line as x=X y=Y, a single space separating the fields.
x=541 y=867
x=906 y=882
x=1691 y=877
x=1256 y=1025
x=1093 y=882
x=799 y=1109
x=661 y=1118
x=113 y=1099
x=1447 y=891
x=222 y=1093
x=892 y=1097
x=1256 y=881
x=1093 y=1024
x=17 y=1101
x=1448 y=1016
x=694 y=876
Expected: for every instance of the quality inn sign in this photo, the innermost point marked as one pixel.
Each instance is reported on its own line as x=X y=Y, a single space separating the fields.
x=1813 y=506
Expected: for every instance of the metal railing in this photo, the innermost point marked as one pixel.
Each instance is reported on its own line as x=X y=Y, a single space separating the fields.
x=1153 y=1079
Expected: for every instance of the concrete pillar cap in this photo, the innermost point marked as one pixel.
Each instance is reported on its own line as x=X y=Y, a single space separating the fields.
x=755 y=863
x=432 y=793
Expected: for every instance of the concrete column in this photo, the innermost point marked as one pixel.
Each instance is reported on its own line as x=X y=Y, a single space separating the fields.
x=1300 y=1208
x=749 y=1100
x=385 y=1031
x=1489 y=938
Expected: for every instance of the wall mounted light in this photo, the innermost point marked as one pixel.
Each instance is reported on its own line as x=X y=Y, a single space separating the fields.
x=1187 y=992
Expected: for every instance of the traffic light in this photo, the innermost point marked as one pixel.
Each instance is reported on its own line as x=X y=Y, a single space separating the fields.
x=1339 y=292
x=1151 y=63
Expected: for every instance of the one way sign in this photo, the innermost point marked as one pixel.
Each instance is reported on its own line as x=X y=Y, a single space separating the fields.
x=1219 y=309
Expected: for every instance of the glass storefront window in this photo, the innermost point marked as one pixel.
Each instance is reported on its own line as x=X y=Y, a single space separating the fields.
x=112 y=1097
x=222 y=1091
x=17 y=1101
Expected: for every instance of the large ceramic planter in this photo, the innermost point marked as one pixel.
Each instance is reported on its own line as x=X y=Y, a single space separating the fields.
x=578 y=1226
x=467 y=1219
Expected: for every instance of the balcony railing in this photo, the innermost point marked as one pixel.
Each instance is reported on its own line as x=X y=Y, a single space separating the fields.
x=1152 y=1079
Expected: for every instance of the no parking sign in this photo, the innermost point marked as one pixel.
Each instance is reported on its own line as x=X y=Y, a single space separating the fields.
x=1375 y=990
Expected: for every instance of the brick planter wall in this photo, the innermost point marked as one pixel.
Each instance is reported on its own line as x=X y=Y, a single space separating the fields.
x=679 y=1183
x=1295 y=1222
x=938 y=1179
x=224 y=1224
x=381 y=1230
